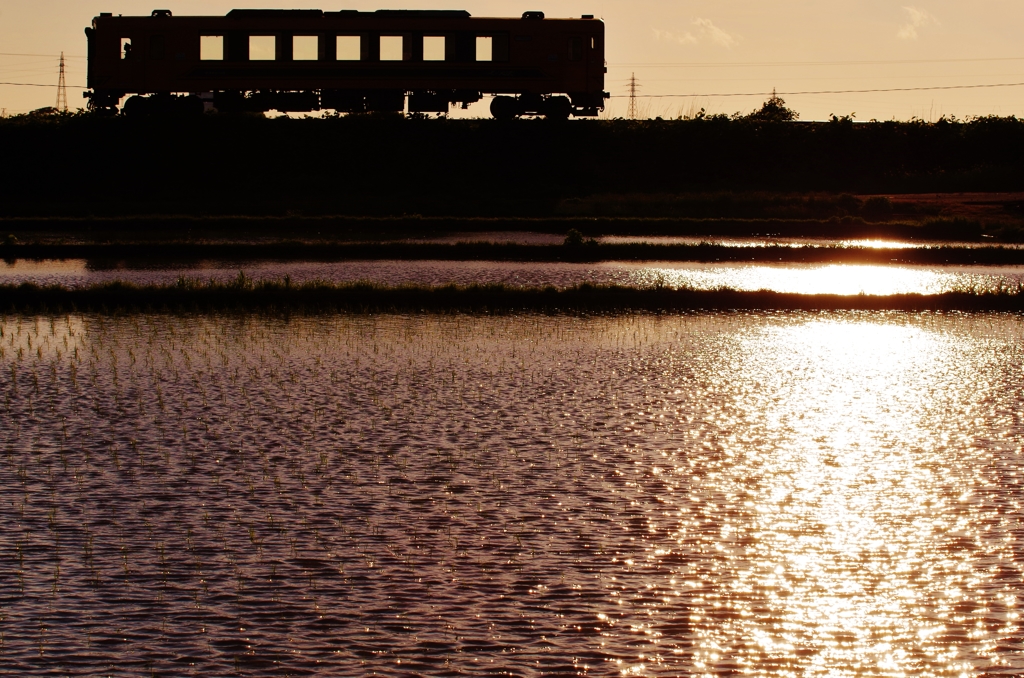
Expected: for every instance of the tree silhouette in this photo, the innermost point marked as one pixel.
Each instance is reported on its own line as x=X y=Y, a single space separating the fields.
x=774 y=110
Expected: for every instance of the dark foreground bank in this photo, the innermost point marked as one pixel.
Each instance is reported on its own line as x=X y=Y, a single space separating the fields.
x=282 y=296
x=222 y=164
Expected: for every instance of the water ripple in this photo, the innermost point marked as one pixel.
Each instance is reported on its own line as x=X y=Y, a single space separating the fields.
x=767 y=494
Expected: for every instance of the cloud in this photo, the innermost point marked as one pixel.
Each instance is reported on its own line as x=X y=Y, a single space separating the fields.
x=917 y=17
x=684 y=39
x=716 y=34
x=706 y=32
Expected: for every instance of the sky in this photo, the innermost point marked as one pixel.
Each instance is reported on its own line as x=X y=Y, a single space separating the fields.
x=685 y=55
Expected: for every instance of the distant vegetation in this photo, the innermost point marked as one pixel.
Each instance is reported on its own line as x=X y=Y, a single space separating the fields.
x=364 y=165
x=774 y=110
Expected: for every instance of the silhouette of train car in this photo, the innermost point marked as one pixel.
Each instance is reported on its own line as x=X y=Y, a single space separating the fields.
x=349 y=61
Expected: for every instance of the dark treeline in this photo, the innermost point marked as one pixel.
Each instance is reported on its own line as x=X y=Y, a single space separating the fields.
x=120 y=256
x=283 y=297
x=361 y=165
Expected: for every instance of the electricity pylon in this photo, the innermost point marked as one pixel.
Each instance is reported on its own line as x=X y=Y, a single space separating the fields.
x=62 y=90
x=631 y=112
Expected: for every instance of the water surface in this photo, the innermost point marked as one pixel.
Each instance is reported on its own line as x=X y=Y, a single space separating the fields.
x=798 y=278
x=760 y=494
x=537 y=238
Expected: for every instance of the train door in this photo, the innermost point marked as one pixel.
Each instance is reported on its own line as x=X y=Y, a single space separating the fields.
x=596 y=69
x=157 y=55
x=578 y=53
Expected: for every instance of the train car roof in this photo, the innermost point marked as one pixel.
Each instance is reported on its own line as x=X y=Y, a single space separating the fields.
x=380 y=13
x=347 y=13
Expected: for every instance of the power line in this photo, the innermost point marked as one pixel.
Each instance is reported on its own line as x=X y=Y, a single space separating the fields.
x=35 y=84
x=747 y=64
x=704 y=64
x=830 y=91
x=69 y=56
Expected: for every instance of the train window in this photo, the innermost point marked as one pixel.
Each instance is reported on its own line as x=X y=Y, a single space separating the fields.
x=391 y=48
x=126 y=48
x=484 y=48
x=575 y=49
x=262 y=48
x=433 y=48
x=211 y=47
x=305 y=48
x=349 y=48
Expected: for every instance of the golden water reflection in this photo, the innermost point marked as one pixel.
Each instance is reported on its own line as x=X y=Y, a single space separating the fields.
x=841 y=520
x=846 y=279
x=714 y=494
x=767 y=241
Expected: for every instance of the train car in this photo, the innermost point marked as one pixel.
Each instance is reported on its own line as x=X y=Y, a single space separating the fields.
x=348 y=61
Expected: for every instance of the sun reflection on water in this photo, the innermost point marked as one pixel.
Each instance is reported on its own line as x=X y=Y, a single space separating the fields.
x=844 y=545
x=845 y=279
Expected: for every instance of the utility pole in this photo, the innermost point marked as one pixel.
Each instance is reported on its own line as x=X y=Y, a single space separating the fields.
x=62 y=90
x=631 y=113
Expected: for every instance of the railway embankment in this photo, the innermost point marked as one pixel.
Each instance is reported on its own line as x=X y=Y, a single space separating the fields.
x=715 y=167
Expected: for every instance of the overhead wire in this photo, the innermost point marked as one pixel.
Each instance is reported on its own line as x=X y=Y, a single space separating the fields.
x=11 y=69
x=737 y=64
x=54 y=56
x=36 y=84
x=824 y=91
x=747 y=64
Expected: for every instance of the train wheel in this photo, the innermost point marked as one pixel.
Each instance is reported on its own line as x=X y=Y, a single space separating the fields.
x=557 y=108
x=136 y=107
x=504 y=108
x=186 y=107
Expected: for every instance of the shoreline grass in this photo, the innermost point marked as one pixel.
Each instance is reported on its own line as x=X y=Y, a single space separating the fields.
x=244 y=294
x=590 y=252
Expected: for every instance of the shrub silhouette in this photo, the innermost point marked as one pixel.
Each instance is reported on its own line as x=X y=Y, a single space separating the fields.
x=774 y=110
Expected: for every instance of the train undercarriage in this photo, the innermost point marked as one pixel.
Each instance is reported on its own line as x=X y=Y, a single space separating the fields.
x=502 y=107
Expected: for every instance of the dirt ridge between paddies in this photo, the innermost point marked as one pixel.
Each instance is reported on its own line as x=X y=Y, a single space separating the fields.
x=253 y=229
x=244 y=294
x=708 y=252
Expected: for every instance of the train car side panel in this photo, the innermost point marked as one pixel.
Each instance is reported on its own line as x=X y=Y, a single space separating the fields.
x=348 y=54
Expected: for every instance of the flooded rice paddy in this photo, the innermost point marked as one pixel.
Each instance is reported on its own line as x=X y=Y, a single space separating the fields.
x=703 y=495
x=796 y=278
x=536 y=238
